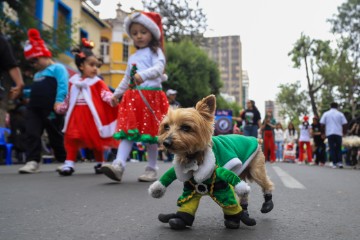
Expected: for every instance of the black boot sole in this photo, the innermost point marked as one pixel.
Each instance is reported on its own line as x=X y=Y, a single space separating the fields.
x=165 y=218
x=177 y=224
x=231 y=224
x=246 y=219
x=267 y=206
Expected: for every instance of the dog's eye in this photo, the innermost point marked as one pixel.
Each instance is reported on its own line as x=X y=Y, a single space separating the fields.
x=166 y=127
x=185 y=128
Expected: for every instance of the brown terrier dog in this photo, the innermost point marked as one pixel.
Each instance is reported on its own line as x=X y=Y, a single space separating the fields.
x=200 y=161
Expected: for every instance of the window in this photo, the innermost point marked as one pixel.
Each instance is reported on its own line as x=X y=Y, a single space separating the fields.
x=105 y=49
x=83 y=34
x=62 y=20
x=125 y=55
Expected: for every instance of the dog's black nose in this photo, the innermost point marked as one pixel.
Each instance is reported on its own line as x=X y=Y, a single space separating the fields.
x=167 y=142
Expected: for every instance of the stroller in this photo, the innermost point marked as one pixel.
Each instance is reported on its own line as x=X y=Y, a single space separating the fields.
x=289 y=153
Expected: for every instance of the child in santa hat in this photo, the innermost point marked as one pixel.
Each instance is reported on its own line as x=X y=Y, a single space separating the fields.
x=49 y=89
x=90 y=120
x=143 y=103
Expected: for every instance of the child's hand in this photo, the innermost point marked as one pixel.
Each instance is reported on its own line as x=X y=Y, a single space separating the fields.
x=138 y=79
x=60 y=108
x=114 y=101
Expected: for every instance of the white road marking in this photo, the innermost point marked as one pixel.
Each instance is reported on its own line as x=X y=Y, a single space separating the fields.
x=288 y=180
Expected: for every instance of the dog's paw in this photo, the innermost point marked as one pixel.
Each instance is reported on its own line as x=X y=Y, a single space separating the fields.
x=242 y=188
x=157 y=190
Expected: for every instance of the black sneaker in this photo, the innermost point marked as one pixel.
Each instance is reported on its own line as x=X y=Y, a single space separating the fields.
x=97 y=168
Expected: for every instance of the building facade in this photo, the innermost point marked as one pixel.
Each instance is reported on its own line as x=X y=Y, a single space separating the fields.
x=245 y=87
x=275 y=108
x=116 y=47
x=226 y=51
x=75 y=15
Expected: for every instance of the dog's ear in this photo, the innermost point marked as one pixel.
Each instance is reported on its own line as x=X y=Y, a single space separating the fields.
x=206 y=107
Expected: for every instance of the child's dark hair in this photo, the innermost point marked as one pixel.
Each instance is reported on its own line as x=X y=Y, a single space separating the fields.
x=82 y=52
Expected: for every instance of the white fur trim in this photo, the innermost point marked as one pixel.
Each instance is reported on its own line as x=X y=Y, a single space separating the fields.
x=179 y=170
x=234 y=165
x=164 y=77
x=207 y=168
x=157 y=190
x=83 y=86
x=138 y=17
x=242 y=188
x=203 y=172
x=108 y=130
x=247 y=162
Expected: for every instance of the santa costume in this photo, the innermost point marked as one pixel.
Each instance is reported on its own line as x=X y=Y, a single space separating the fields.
x=142 y=106
x=90 y=120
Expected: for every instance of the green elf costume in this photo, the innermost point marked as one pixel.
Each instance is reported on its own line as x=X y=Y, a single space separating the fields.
x=217 y=177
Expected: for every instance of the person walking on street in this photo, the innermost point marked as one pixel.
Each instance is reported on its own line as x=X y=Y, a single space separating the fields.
x=143 y=104
x=304 y=141
x=252 y=118
x=318 y=136
x=48 y=90
x=268 y=127
x=279 y=141
x=90 y=119
x=335 y=125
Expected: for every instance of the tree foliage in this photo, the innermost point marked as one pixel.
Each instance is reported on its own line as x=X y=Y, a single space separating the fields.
x=191 y=72
x=346 y=24
x=19 y=16
x=182 y=19
x=293 y=102
x=318 y=59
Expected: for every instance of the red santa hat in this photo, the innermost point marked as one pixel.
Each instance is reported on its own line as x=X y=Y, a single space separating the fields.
x=150 y=20
x=35 y=46
x=306 y=118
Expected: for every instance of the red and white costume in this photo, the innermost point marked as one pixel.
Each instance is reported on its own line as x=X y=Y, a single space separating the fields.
x=90 y=120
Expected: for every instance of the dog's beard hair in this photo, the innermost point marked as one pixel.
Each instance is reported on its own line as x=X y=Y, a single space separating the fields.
x=184 y=143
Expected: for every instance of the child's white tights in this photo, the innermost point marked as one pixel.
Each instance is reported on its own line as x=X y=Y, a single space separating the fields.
x=124 y=150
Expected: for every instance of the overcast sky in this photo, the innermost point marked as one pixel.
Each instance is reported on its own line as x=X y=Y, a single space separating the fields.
x=267 y=29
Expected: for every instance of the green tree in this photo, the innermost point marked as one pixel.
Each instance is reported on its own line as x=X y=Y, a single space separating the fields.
x=182 y=19
x=292 y=101
x=346 y=25
x=318 y=59
x=57 y=40
x=191 y=72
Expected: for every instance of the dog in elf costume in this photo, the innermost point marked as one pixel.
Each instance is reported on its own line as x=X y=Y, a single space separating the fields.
x=208 y=165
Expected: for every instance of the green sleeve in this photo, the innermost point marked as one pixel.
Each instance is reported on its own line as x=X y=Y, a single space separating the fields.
x=227 y=176
x=168 y=177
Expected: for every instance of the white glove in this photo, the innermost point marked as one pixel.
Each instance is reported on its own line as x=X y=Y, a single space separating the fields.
x=242 y=188
x=157 y=190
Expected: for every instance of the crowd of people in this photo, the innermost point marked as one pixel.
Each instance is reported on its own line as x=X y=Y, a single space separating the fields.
x=81 y=112
x=320 y=140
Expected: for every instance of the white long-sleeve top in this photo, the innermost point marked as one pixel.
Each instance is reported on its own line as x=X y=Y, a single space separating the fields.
x=279 y=135
x=150 y=66
x=290 y=138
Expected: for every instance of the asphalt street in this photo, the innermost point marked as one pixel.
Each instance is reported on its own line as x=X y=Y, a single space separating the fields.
x=311 y=203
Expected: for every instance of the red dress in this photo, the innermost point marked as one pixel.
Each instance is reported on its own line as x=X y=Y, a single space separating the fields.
x=89 y=118
x=136 y=122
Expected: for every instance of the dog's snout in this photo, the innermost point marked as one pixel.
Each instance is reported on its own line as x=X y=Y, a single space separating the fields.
x=167 y=142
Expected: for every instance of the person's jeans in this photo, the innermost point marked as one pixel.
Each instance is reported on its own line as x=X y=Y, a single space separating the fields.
x=279 y=149
x=251 y=130
x=335 y=142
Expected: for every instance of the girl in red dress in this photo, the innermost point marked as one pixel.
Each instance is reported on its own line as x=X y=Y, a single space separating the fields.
x=90 y=119
x=143 y=103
